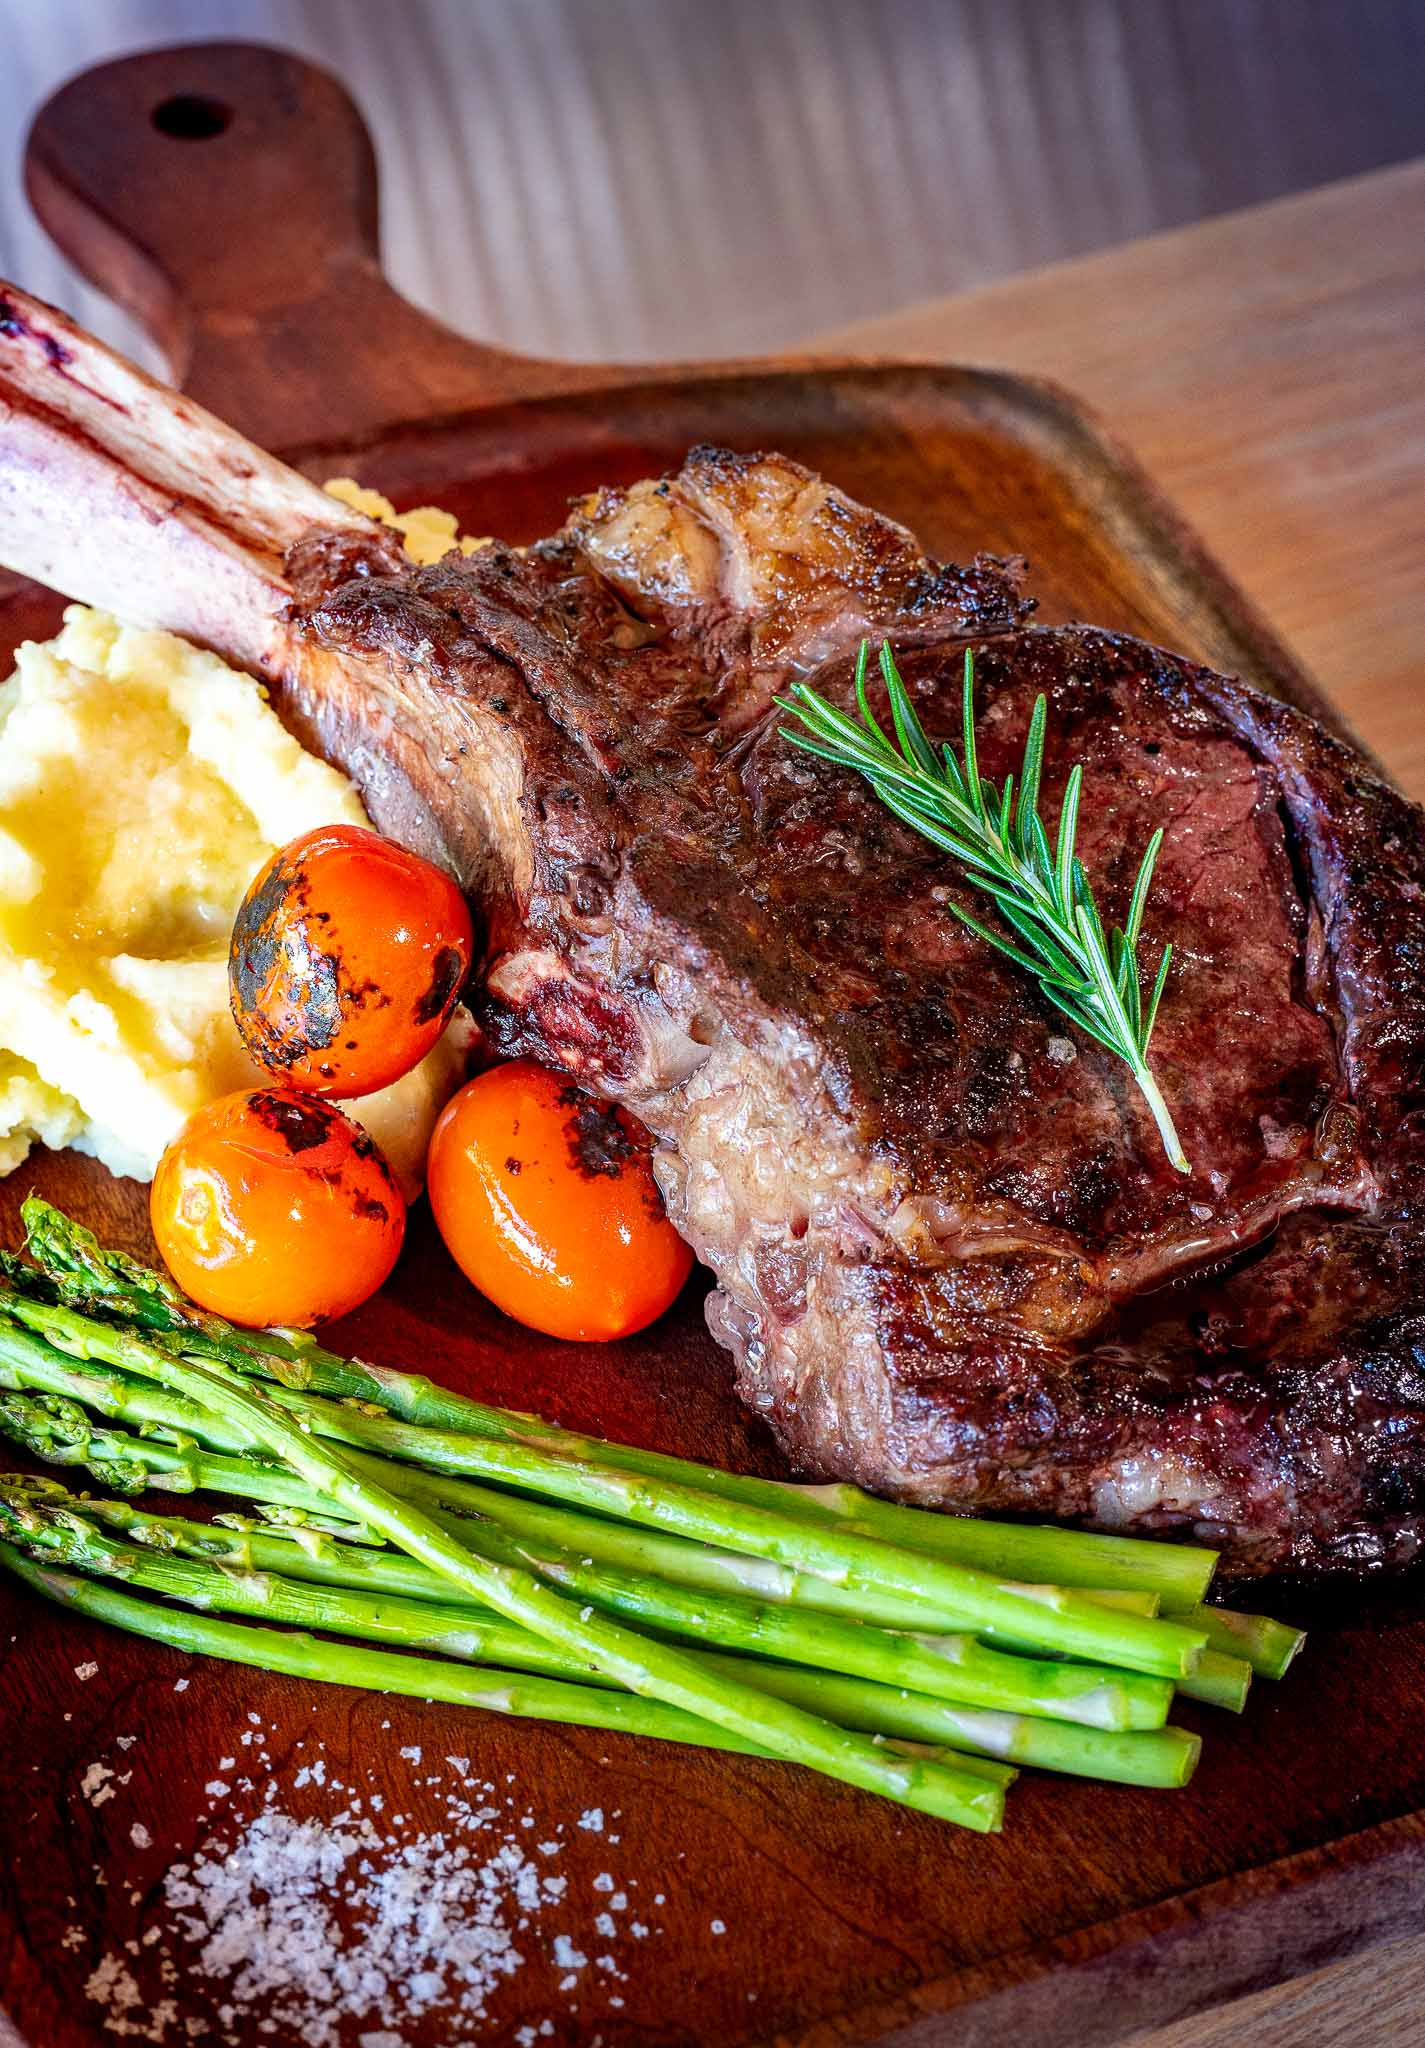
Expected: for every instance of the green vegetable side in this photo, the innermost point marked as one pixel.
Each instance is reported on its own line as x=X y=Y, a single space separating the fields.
x=478 y=1556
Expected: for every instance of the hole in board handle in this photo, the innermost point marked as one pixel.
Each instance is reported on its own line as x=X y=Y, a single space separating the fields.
x=188 y=117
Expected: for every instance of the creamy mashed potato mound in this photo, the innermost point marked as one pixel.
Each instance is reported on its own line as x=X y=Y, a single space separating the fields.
x=142 y=785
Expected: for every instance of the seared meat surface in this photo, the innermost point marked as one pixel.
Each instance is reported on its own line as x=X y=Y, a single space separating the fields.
x=953 y=1261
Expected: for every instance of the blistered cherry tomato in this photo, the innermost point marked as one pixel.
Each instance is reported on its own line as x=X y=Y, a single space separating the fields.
x=271 y=1207
x=346 y=959
x=547 y=1202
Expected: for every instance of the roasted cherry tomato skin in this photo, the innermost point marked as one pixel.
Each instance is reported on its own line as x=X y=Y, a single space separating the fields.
x=346 y=960
x=273 y=1207
x=547 y=1203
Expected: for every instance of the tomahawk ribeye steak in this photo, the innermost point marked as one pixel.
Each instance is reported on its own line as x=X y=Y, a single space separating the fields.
x=953 y=1262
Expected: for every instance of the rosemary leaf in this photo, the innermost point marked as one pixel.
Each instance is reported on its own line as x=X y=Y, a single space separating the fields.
x=1085 y=970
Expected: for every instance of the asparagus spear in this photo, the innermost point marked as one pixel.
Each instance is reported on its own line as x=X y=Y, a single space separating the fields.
x=957 y=1669
x=1268 y=1646
x=948 y=1667
x=427 y=1678
x=644 y=1666
x=1218 y=1681
x=92 y=1277
x=1164 y=1757
x=316 y=1555
x=1051 y=1617
x=1158 y=1757
x=65 y=1532
x=1161 y=1757
x=26 y=1361
x=242 y=1569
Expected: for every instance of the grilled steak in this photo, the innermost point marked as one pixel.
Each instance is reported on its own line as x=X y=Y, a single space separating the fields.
x=952 y=1260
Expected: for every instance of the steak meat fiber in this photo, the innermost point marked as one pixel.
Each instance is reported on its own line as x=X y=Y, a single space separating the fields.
x=952 y=1260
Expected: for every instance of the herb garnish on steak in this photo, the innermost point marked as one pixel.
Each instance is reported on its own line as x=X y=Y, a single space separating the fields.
x=1085 y=968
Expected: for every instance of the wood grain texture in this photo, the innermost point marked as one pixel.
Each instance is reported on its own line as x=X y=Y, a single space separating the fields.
x=1098 y=1912
x=1371 y=2001
x=548 y=164
x=1269 y=371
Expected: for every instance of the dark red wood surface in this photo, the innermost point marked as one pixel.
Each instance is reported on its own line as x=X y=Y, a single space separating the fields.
x=251 y=253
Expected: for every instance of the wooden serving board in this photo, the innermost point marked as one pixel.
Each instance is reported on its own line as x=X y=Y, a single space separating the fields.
x=227 y=195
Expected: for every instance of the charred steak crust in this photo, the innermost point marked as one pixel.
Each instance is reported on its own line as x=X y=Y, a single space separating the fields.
x=953 y=1262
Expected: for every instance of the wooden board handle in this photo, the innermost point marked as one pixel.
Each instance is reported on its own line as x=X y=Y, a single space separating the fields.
x=226 y=195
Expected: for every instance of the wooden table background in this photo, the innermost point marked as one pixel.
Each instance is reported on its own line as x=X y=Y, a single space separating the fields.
x=547 y=164
x=1270 y=370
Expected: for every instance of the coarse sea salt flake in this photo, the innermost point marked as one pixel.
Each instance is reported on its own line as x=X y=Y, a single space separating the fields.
x=95 y=1784
x=326 y=1928
x=84 y=1672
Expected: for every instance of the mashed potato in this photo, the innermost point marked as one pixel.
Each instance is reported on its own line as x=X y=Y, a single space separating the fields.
x=426 y=533
x=142 y=785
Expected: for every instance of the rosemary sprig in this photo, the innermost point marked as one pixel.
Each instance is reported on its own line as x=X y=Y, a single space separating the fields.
x=1041 y=891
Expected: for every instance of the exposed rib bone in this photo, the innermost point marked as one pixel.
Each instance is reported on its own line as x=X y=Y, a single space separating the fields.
x=117 y=491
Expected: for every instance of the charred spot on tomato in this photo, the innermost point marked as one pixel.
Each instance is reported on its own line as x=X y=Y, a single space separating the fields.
x=367 y=1207
x=318 y=1002
x=446 y=976
x=364 y=1146
x=599 y=1145
x=271 y=946
x=365 y=995
x=256 y=940
x=513 y=1165
x=302 y=1124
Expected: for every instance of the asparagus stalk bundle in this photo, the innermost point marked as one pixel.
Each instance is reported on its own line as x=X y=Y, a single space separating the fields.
x=87 y=1276
x=915 y=1655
